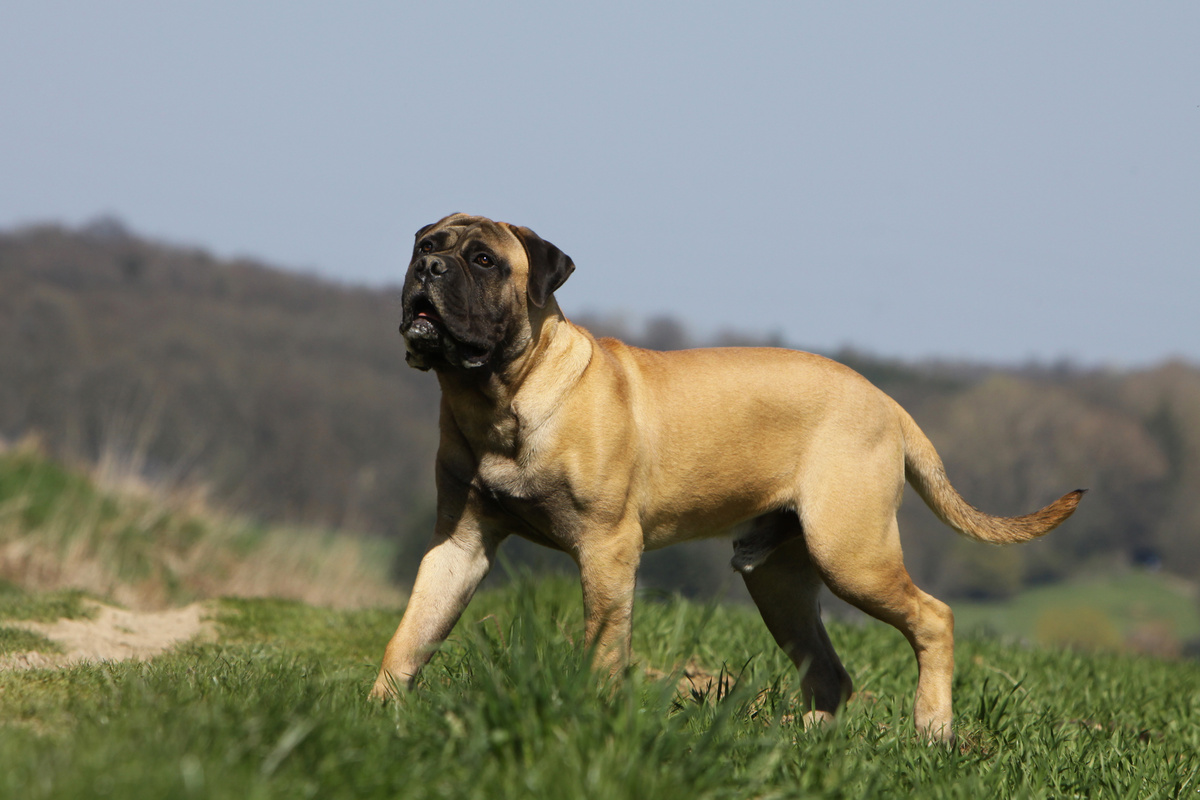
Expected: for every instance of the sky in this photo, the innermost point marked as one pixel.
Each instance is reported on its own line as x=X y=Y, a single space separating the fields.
x=1003 y=183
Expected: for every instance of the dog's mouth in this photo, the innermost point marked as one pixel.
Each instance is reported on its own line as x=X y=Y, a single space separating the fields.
x=423 y=308
x=428 y=333
x=426 y=321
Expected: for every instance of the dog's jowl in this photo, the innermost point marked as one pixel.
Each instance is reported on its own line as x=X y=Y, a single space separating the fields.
x=603 y=450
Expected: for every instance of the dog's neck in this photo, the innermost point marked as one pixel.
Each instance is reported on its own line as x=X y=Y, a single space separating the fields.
x=496 y=409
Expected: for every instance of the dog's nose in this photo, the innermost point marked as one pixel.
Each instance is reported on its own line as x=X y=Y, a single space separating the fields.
x=432 y=265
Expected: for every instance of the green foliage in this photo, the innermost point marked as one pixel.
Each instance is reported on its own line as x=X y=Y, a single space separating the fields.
x=509 y=708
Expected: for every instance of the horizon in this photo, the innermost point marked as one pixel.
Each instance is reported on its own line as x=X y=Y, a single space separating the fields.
x=983 y=184
x=626 y=326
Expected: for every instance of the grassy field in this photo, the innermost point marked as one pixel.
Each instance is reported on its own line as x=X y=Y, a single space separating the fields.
x=272 y=703
x=276 y=707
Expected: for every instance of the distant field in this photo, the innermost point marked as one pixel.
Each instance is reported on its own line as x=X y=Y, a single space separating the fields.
x=1138 y=610
x=276 y=707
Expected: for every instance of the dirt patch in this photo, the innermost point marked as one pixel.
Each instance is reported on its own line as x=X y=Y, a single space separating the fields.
x=112 y=634
x=697 y=683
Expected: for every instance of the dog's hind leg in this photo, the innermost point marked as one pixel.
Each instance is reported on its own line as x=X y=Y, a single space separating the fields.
x=784 y=584
x=856 y=549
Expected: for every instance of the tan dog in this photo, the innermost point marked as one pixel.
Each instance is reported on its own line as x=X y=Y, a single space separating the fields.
x=603 y=450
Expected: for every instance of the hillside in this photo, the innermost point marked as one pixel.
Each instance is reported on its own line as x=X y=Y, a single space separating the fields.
x=286 y=398
x=65 y=531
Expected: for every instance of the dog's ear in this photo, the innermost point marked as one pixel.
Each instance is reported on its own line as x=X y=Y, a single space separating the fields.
x=549 y=267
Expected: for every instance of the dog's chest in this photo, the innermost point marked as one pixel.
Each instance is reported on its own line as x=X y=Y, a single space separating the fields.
x=501 y=476
x=518 y=476
x=538 y=496
x=507 y=462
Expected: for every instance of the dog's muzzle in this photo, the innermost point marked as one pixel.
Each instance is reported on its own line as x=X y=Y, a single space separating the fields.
x=425 y=323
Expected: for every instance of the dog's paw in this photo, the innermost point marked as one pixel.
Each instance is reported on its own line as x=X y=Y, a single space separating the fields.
x=385 y=689
x=820 y=720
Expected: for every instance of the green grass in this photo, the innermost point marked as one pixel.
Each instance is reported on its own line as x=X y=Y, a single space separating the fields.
x=63 y=527
x=19 y=640
x=277 y=708
x=17 y=603
x=34 y=488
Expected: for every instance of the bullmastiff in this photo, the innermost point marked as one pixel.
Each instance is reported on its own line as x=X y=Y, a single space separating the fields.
x=603 y=451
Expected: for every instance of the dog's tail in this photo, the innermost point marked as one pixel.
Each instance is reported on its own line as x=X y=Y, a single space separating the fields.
x=924 y=470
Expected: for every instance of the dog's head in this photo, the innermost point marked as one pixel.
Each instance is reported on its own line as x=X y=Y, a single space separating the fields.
x=471 y=288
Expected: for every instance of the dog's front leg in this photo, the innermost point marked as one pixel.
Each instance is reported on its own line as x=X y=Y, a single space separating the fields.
x=608 y=569
x=449 y=573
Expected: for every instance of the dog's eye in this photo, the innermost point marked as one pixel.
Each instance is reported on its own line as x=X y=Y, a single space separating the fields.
x=484 y=260
x=425 y=247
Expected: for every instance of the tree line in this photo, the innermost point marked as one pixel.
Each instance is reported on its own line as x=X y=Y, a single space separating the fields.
x=288 y=398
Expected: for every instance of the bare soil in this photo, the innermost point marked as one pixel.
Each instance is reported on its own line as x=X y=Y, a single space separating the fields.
x=112 y=634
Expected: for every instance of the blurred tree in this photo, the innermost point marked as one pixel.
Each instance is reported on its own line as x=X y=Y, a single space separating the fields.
x=665 y=333
x=289 y=397
x=1010 y=446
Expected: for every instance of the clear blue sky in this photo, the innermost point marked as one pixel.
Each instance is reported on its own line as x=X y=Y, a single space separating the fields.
x=995 y=182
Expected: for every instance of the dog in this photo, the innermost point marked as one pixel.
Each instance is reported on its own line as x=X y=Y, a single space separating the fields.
x=603 y=451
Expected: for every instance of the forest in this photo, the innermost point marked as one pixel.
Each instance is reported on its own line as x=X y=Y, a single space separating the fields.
x=286 y=398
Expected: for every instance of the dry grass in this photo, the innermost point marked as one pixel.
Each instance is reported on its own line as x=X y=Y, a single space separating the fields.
x=113 y=535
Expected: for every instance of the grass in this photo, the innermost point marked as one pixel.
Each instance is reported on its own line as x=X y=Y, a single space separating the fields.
x=143 y=547
x=19 y=603
x=276 y=705
x=19 y=640
x=277 y=708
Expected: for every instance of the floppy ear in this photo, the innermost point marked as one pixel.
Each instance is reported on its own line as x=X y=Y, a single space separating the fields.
x=549 y=267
